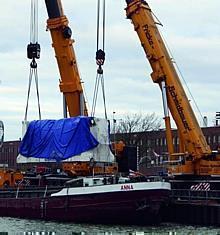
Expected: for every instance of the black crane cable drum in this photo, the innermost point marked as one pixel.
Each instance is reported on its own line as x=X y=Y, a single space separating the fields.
x=33 y=53
x=100 y=58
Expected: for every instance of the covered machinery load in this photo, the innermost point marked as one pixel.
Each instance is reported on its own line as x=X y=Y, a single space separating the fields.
x=71 y=139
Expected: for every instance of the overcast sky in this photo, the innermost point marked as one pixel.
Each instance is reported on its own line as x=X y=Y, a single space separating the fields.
x=191 y=29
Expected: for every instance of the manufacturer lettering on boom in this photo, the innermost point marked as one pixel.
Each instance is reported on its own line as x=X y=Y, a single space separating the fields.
x=148 y=35
x=179 y=108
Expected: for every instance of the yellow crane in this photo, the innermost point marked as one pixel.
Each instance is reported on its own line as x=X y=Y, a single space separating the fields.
x=70 y=82
x=195 y=156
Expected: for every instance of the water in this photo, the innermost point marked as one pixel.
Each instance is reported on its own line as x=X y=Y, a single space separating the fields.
x=15 y=226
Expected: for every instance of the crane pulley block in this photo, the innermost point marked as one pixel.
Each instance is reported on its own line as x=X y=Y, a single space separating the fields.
x=100 y=57
x=33 y=51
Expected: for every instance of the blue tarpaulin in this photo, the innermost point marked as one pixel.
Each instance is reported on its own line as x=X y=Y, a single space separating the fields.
x=58 y=139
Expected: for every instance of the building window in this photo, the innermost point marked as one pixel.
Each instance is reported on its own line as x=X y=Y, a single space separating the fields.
x=177 y=140
x=214 y=139
x=165 y=141
x=209 y=139
x=219 y=139
x=141 y=142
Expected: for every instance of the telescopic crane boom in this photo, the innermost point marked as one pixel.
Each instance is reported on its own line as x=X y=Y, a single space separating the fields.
x=70 y=82
x=71 y=85
x=196 y=153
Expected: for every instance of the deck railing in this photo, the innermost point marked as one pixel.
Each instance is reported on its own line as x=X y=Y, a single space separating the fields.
x=191 y=195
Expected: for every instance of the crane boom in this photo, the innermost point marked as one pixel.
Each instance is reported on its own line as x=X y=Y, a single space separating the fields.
x=70 y=82
x=164 y=72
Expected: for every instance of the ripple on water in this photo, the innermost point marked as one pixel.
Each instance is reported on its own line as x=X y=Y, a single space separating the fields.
x=37 y=227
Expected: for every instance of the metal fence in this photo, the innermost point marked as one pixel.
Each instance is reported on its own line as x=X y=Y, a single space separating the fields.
x=191 y=195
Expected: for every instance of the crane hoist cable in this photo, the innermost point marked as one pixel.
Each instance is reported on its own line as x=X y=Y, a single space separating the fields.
x=183 y=78
x=33 y=53
x=100 y=57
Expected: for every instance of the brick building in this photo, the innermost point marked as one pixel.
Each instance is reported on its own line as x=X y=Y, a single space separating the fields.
x=146 y=141
x=156 y=140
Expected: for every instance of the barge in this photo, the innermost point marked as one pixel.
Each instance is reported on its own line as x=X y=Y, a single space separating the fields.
x=103 y=199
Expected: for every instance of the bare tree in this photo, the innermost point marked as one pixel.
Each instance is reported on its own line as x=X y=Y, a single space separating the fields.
x=138 y=123
x=130 y=130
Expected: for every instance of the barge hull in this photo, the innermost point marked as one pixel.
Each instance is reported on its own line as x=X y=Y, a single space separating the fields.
x=136 y=207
